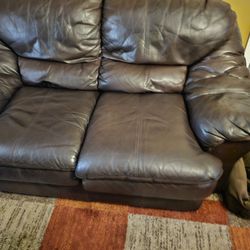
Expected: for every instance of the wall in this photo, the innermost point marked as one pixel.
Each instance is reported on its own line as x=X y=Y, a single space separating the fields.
x=247 y=55
x=242 y=9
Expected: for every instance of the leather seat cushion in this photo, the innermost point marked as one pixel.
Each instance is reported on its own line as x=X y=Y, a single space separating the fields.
x=43 y=128
x=141 y=144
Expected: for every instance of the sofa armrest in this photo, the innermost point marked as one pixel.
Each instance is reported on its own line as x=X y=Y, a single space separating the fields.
x=217 y=95
x=220 y=114
x=10 y=79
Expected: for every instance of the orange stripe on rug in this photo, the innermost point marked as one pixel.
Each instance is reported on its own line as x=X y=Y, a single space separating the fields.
x=240 y=238
x=76 y=228
x=92 y=205
x=210 y=211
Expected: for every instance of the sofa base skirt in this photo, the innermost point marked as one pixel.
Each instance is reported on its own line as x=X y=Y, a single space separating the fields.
x=77 y=193
x=52 y=191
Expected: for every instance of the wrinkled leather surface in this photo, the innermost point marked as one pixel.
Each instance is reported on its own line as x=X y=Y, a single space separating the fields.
x=137 y=145
x=218 y=95
x=44 y=128
x=44 y=177
x=9 y=78
x=77 y=76
x=118 y=76
x=67 y=31
x=164 y=32
x=143 y=138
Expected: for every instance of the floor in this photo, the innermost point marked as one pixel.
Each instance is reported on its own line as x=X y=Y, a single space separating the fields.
x=28 y=222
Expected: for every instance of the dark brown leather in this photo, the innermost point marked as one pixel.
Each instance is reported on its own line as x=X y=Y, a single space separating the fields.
x=181 y=205
x=65 y=31
x=118 y=76
x=164 y=32
x=47 y=177
x=246 y=159
x=70 y=192
x=81 y=76
x=139 y=145
x=9 y=77
x=144 y=140
x=218 y=95
x=77 y=192
x=173 y=190
x=43 y=128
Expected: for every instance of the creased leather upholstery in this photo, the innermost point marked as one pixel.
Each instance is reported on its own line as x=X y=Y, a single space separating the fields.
x=9 y=78
x=118 y=76
x=54 y=34
x=44 y=128
x=144 y=138
x=218 y=95
x=164 y=32
x=153 y=34
x=65 y=31
x=138 y=147
x=77 y=76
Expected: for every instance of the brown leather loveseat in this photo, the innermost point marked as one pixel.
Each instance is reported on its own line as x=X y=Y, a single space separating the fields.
x=143 y=102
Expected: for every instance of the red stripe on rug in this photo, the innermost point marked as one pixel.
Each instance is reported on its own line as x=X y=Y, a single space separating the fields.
x=76 y=228
x=210 y=212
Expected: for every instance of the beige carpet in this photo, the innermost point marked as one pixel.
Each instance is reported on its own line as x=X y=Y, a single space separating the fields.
x=23 y=221
x=41 y=223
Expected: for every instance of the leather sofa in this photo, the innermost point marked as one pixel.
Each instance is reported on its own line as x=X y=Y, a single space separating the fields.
x=138 y=102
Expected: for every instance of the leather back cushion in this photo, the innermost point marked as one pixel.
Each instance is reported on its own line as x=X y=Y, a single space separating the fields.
x=60 y=30
x=170 y=32
x=119 y=76
x=56 y=74
x=54 y=34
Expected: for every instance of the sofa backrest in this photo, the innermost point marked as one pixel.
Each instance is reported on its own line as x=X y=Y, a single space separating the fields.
x=57 y=42
x=148 y=45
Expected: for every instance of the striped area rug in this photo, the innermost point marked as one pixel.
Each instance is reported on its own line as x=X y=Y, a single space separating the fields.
x=28 y=222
